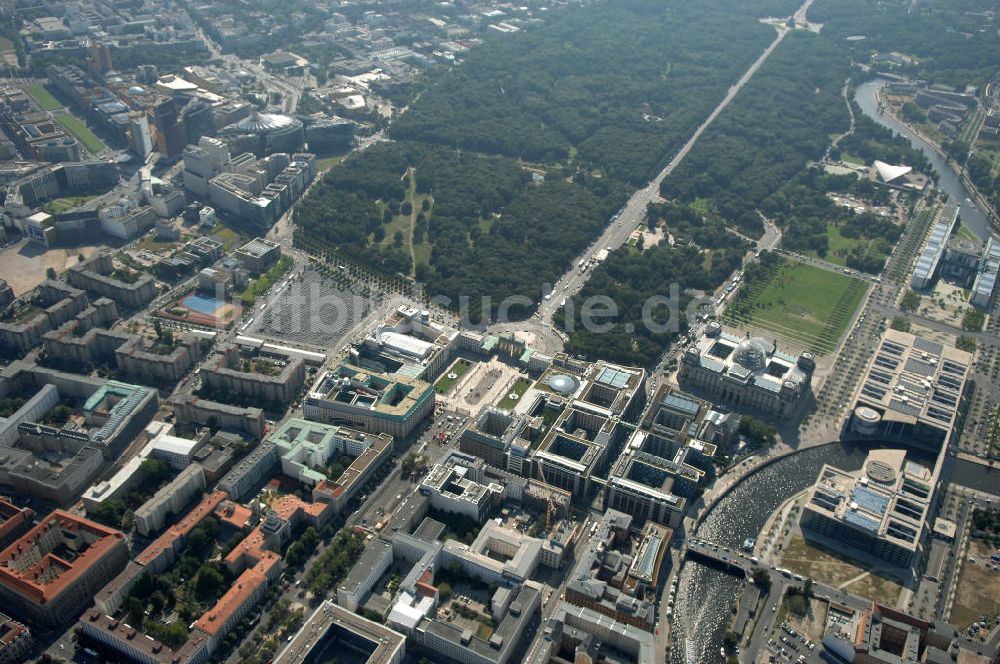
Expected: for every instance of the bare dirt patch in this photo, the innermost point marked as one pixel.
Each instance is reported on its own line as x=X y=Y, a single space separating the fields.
x=23 y=265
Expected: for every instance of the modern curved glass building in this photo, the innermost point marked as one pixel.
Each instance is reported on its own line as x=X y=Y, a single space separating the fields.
x=264 y=133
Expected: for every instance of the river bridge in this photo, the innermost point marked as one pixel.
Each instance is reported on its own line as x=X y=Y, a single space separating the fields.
x=731 y=561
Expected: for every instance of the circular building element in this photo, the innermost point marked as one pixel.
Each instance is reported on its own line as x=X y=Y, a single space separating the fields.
x=752 y=354
x=562 y=384
x=881 y=472
x=867 y=414
x=266 y=123
x=866 y=420
x=266 y=133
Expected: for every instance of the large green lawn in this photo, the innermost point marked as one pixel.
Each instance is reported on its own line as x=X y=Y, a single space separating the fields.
x=800 y=303
x=226 y=235
x=446 y=382
x=326 y=163
x=73 y=125
x=839 y=247
x=60 y=205
x=519 y=388
x=851 y=159
x=44 y=97
x=405 y=225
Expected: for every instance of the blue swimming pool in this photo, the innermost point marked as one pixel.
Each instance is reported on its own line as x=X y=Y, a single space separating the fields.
x=202 y=304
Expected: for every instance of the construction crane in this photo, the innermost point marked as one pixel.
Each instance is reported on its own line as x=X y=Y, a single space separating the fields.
x=548 y=498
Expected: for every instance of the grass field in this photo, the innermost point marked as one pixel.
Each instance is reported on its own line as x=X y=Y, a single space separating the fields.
x=519 y=388
x=995 y=156
x=849 y=158
x=966 y=234
x=86 y=137
x=838 y=246
x=422 y=254
x=978 y=590
x=44 y=98
x=799 y=303
x=226 y=235
x=836 y=569
x=405 y=226
x=446 y=382
x=60 y=205
x=157 y=247
x=326 y=163
x=401 y=224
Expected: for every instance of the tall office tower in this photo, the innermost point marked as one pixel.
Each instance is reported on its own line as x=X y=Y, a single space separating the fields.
x=99 y=58
x=141 y=138
x=170 y=134
x=199 y=120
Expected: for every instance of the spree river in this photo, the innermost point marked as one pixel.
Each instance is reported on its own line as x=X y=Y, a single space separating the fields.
x=702 y=606
x=948 y=180
x=705 y=596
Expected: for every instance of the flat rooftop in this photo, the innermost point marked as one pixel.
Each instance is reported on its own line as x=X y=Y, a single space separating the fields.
x=257 y=247
x=392 y=395
x=506 y=635
x=384 y=644
x=915 y=380
x=889 y=498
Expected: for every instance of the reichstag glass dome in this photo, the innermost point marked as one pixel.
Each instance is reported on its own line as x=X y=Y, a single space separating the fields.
x=752 y=354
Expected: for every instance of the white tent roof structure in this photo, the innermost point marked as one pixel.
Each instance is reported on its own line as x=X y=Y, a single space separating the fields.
x=888 y=172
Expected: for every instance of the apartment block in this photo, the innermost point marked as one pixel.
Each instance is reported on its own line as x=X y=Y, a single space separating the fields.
x=464 y=646
x=130 y=224
x=600 y=579
x=56 y=568
x=191 y=410
x=16 y=642
x=594 y=636
x=24 y=321
x=158 y=362
x=587 y=433
x=66 y=179
x=162 y=445
x=306 y=449
x=151 y=515
x=495 y=436
x=882 y=510
x=375 y=561
x=330 y=625
x=459 y=485
x=234 y=371
x=95 y=276
x=913 y=391
x=250 y=471
x=664 y=463
x=56 y=462
x=407 y=342
x=14 y=521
